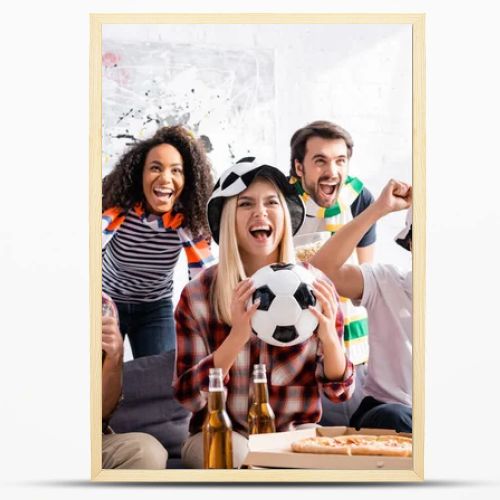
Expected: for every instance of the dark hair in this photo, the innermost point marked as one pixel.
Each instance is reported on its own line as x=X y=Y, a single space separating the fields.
x=320 y=128
x=123 y=186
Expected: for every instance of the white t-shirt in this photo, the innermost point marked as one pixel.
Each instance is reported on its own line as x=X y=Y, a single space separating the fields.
x=387 y=296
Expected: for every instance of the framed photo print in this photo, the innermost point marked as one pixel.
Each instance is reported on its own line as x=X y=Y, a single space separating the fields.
x=257 y=247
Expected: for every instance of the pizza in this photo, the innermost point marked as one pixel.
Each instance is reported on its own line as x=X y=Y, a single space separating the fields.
x=356 y=444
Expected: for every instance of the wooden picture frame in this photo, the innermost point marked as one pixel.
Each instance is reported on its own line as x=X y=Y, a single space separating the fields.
x=417 y=24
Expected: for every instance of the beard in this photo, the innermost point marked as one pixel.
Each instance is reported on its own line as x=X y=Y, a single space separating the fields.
x=322 y=196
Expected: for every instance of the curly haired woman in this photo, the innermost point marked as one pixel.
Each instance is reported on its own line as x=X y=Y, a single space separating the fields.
x=154 y=204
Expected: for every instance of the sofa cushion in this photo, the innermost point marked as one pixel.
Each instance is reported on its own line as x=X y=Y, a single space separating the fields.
x=149 y=404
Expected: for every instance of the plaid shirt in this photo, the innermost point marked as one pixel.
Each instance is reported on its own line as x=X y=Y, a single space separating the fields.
x=295 y=374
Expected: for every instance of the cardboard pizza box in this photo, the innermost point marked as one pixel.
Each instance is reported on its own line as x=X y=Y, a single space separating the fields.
x=274 y=451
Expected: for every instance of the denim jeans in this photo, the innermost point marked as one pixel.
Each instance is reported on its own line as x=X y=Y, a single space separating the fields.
x=149 y=326
x=374 y=414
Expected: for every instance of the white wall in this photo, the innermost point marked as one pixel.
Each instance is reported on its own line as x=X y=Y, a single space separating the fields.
x=44 y=370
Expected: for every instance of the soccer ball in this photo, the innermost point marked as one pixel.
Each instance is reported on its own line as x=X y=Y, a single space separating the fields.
x=285 y=292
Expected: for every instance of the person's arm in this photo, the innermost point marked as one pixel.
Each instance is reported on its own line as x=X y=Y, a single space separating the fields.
x=331 y=257
x=194 y=359
x=112 y=346
x=365 y=248
x=334 y=371
x=334 y=361
x=366 y=254
x=225 y=355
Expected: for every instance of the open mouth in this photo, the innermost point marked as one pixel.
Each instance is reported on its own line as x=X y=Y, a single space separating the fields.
x=328 y=188
x=164 y=194
x=261 y=232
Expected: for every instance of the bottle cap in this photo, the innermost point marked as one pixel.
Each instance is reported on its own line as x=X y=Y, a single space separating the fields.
x=259 y=373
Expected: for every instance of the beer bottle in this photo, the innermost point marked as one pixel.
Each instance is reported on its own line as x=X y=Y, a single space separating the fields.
x=260 y=413
x=217 y=428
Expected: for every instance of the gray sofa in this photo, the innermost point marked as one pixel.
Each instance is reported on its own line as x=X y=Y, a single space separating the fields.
x=149 y=404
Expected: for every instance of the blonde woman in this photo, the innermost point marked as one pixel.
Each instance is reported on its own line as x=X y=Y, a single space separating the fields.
x=253 y=214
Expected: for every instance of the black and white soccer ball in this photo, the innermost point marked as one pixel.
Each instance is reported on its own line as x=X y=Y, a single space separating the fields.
x=285 y=292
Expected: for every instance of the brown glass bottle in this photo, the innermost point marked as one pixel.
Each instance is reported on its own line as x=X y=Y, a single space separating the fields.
x=217 y=428
x=260 y=414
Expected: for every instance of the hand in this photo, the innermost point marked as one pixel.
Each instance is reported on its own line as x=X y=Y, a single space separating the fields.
x=112 y=341
x=240 y=314
x=325 y=294
x=395 y=196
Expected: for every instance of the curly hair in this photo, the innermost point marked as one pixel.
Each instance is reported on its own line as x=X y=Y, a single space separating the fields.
x=122 y=187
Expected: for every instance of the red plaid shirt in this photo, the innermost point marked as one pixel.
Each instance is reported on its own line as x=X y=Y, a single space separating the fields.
x=295 y=374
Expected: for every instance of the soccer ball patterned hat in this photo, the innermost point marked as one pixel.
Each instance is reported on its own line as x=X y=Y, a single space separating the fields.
x=238 y=178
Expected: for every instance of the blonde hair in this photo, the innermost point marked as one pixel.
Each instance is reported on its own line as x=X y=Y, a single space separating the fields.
x=231 y=269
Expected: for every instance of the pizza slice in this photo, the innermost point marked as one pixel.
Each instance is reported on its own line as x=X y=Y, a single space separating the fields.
x=356 y=444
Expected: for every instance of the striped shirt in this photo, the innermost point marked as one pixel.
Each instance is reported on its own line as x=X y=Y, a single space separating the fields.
x=295 y=374
x=139 y=254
